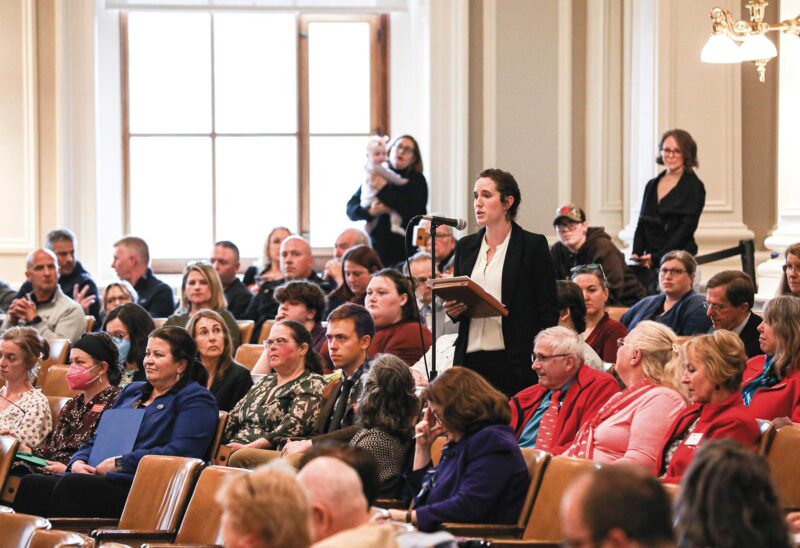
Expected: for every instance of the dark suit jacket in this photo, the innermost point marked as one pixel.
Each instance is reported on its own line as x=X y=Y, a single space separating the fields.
x=529 y=293
x=749 y=336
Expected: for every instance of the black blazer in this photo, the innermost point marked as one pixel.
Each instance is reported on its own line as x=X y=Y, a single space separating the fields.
x=528 y=291
x=749 y=336
x=232 y=387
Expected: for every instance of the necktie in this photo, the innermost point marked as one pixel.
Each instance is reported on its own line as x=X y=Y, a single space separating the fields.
x=341 y=405
x=547 y=428
x=425 y=313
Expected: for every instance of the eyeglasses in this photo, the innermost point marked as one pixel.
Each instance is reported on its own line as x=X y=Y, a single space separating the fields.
x=277 y=342
x=672 y=271
x=790 y=268
x=566 y=227
x=543 y=357
x=119 y=299
x=712 y=306
x=591 y=268
x=671 y=152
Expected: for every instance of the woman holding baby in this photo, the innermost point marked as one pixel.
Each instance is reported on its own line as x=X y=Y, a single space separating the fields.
x=404 y=194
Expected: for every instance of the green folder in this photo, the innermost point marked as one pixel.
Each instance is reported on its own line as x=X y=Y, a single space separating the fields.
x=31 y=458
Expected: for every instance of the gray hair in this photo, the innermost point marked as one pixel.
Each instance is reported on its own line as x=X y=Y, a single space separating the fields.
x=564 y=341
x=363 y=237
x=29 y=258
x=60 y=235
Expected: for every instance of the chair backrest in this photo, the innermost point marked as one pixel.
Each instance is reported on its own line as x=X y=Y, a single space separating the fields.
x=266 y=327
x=159 y=322
x=17 y=529
x=782 y=458
x=246 y=329
x=248 y=354
x=673 y=490
x=8 y=448
x=436 y=449
x=43 y=538
x=201 y=524
x=537 y=461
x=616 y=312
x=59 y=350
x=223 y=420
x=560 y=472
x=89 y=323
x=767 y=435
x=160 y=492
x=55 y=384
x=57 y=403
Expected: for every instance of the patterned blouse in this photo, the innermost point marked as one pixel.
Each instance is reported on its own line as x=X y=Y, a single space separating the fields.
x=29 y=420
x=76 y=425
x=276 y=413
x=389 y=451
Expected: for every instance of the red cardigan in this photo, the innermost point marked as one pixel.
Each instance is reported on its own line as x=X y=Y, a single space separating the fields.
x=603 y=338
x=781 y=400
x=588 y=392
x=728 y=419
x=401 y=339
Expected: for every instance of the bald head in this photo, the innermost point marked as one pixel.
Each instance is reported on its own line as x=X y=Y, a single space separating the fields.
x=296 y=259
x=41 y=270
x=350 y=237
x=336 y=497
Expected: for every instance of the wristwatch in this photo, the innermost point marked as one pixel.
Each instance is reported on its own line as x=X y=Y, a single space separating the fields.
x=36 y=319
x=118 y=463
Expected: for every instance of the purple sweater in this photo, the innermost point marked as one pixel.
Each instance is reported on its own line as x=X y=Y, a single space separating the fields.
x=480 y=479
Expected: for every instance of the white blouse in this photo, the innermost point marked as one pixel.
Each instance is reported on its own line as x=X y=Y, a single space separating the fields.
x=487 y=333
x=29 y=419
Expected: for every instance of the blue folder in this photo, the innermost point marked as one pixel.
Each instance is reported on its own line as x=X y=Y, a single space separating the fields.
x=116 y=434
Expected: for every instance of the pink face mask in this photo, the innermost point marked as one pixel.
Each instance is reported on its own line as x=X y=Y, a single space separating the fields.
x=79 y=378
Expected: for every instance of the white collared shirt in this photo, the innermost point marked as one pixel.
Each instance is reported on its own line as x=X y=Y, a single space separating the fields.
x=487 y=333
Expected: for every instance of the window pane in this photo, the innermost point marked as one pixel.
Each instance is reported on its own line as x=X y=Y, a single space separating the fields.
x=339 y=77
x=170 y=201
x=169 y=72
x=337 y=170
x=255 y=73
x=256 y=189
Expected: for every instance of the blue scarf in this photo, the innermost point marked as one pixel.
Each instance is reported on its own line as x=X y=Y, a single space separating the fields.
x=767 y=378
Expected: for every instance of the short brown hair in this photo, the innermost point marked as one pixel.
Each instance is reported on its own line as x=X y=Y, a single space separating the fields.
x=739 y=287
x=723 y=354
x=303 y=292
x=468 y=401
x=685 y=258
x=685 y=143
x=137 y=245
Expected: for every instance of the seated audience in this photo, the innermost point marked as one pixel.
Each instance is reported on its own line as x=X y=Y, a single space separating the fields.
x=482 y=476
x=771 y=386
x=180 y=419
x=349 y=238
x=132 y=264
x=94 y=372
x=340 y=514
x=790 y=281
x=359 y=459
x=360 y=262
x=548 y=415
x=7 y=295
x=45 y=308
x=226 y=262
x=297 y=263
x=445 y=243
x=265 y=509
x=727 y=499
x=713 y=367
x=678 y=306
x=729 y=303
x=202 y=290
x=601 y=331
x=631 y=426
x=271 y=271
x=618 y=506
x=572 y=315
x=129 y=326
x=283 y=404
x=227 y=380
x=580 y=244
x=421 y=274
x=73 y=279
x=387 y=410
x=397 y=327
x=116 y=293
x=24 y=410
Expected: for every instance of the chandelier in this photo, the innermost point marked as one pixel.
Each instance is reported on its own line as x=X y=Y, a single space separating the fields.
x=723 y=47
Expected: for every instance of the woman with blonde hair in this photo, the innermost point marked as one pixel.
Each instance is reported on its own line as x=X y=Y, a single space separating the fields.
x=630 y=427
x=771 y=387
x=271 y=271
x=24 y=410
x=201 y=289
x=713 y=368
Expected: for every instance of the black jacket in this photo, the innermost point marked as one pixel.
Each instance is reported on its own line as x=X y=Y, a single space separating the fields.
x=238 y=298
x=749 y=336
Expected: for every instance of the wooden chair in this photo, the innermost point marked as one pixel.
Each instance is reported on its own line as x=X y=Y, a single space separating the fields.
x=55 y=384
x=538 y=463
x=89 y=323
x=436 y=450
x=266 y=327
x=767 y=435
x=673 y=490
x=59 y=351
x=782 y=455
x=8 y=448
x=246 y=328
x=201 y=525
x=43 y=538
x=57 y=403
x=17 y=529
x=616 y=312
x=215 y=443
x=248 y=354
x=156 y=502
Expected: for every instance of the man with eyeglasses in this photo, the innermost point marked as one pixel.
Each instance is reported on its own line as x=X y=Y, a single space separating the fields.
x=445 y=243
x=729 y=302
x=578 y=244
x=421 y=272
x=547 y=415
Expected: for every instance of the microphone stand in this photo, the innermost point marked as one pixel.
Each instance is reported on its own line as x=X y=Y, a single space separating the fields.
x=432 y=374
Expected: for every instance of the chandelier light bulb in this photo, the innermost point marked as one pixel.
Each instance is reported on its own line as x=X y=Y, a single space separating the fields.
x=756 y=47
x=720 y=49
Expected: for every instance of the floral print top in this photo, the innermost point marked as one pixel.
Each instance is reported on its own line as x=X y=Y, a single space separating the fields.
x=276 y=413
x=29 y=420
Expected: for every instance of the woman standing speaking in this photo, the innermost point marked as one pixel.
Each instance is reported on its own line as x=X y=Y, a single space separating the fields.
x=514 y=266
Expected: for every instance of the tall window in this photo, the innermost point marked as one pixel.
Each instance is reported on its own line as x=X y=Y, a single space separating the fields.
x=236 y=123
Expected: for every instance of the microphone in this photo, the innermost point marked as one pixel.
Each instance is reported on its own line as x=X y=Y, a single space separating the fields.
x=458 y=224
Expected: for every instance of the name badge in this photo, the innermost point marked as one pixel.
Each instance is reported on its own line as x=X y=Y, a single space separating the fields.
x=160 y=406
x=694 y=439
x=97 y=408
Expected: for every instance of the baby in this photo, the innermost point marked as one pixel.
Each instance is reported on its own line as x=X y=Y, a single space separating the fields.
x=376 y=169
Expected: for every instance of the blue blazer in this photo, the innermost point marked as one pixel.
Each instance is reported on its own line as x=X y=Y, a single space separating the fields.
x=687 y=317
x=480 y=479
x=180 y=423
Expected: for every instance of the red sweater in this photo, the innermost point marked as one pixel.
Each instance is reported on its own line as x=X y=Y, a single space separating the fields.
x=588 y=392
x=603 y=338
x=727 y=419
x=780 y=400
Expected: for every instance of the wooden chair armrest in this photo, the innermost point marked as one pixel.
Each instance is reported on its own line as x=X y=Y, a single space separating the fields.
x=82 y=525
x=484 y=530
x=181 y=546
x=397 y=504
x=508 y=543
x=128 y=535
